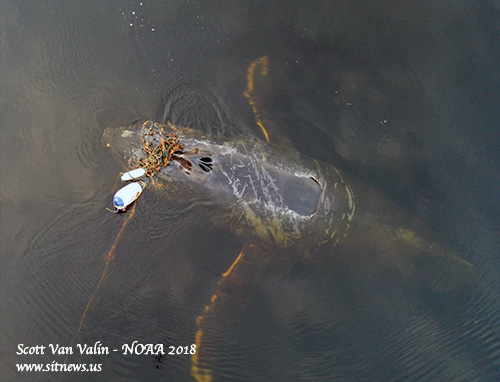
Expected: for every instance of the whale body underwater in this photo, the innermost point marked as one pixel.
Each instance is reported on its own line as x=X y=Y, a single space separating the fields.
x=283 y=200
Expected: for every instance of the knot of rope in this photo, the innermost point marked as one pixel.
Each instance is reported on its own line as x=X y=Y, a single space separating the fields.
x=160 y=147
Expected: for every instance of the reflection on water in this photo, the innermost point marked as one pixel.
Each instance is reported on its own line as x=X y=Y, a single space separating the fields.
x=403 y=97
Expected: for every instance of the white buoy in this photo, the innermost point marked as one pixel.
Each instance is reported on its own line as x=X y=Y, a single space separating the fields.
x=127 y=195
x=133 y=174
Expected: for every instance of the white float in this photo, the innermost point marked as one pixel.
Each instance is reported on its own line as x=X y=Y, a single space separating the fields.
x=127 y=195
x=133 y=174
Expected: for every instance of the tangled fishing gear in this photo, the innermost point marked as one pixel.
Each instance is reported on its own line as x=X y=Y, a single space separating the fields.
x=159 y=147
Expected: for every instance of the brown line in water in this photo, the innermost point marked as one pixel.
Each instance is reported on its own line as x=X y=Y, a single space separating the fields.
x=199 y=373
x=108 y=258
x=262 y=64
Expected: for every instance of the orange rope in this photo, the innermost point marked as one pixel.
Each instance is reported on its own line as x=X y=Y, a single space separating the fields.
x=108 y=258
x=263 y=65
x=199 y=373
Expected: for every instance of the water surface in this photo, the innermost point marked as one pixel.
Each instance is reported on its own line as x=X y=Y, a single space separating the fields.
x=402 y=95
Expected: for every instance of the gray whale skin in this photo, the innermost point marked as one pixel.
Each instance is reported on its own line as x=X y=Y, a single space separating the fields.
x=285 y=200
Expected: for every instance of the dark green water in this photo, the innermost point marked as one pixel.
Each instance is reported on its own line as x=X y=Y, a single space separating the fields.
x=403 y=95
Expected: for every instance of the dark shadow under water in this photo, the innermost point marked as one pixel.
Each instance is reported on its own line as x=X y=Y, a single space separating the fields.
x=402 y=97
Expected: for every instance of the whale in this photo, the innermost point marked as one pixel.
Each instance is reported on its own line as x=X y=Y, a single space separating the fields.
x=292 y=211
x=285 y=201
